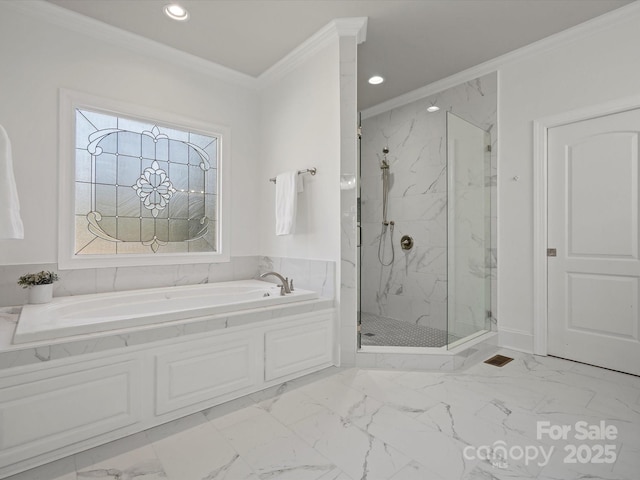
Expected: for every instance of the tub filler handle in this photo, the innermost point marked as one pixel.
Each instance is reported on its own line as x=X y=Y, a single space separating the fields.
x=284 y=286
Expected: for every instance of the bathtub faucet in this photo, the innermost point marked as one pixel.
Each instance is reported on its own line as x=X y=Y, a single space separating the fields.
x=285 y=286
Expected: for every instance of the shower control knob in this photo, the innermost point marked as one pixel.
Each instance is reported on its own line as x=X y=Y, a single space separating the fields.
x=406 y=242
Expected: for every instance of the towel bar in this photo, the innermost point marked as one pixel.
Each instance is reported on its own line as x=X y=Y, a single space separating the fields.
x=312 y=171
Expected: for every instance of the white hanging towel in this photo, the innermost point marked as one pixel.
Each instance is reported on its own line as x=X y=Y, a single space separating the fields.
x=288 y=185
x=10 y=221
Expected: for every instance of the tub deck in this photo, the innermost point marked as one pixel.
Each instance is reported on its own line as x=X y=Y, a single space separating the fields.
x=103 y=312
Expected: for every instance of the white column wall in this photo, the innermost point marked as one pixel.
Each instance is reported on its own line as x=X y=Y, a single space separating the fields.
x=300 y=129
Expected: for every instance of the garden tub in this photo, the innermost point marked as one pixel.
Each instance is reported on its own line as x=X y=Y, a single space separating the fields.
x=103 y=312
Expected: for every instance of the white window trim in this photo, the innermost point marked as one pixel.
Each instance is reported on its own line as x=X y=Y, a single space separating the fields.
x=71 y=100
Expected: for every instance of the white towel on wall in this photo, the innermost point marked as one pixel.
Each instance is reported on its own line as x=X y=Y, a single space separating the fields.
x=288 y=185
x=10 y=221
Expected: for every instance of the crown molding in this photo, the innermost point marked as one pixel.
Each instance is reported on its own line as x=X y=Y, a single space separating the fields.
x=352 y=27
x=582 y=30
x=98 y=30
x=431 y=89
x=340 y=27
x=56 y=15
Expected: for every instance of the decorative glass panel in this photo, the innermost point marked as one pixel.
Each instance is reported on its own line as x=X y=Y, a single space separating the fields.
x=143 y=188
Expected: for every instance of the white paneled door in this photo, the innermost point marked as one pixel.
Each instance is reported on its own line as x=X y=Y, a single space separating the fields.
x=593 y=281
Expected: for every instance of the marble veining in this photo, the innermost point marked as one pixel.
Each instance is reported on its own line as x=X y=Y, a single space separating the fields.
x=101 y=280
x=316 y=275
x=418 y=202
x=37 y=352
x=70 y=316
x=366 y=424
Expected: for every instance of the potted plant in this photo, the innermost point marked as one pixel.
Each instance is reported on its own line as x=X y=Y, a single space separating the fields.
x=40 y=285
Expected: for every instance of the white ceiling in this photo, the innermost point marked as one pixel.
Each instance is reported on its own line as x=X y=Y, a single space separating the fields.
x=411 y=43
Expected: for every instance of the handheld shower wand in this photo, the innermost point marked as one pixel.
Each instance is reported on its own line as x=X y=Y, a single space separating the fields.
x=384 y=166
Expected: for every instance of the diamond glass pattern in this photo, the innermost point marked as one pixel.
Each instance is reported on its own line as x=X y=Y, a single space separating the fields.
x=140 y=187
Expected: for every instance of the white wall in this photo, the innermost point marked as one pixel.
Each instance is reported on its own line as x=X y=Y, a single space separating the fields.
x=593 y=68
x=37 y=57
x=300 y=128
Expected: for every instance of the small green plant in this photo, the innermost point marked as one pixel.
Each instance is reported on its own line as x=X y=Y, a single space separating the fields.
x=40 y=278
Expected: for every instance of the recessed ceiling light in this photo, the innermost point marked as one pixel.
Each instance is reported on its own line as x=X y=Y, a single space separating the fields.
x=175 y=11
x=433 y=108
x=376 y=80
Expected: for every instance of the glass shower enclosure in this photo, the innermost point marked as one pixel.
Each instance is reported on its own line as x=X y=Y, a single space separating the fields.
x=468 y=229
x=427 y=179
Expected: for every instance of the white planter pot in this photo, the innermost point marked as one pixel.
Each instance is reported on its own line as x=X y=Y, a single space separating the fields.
x=41 y=293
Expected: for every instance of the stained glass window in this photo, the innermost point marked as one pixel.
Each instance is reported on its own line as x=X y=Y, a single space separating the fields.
x=143 y=188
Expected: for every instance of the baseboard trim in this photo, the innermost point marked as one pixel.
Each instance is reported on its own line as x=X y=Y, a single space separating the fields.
x=515 y=340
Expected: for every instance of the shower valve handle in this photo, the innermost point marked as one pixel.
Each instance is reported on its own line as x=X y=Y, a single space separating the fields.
x=406 y=242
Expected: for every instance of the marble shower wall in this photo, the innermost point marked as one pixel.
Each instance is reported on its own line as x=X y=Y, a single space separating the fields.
x=414 y=287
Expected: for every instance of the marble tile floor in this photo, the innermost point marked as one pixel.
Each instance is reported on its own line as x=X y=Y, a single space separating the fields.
x=384 y=331
x=352 y=424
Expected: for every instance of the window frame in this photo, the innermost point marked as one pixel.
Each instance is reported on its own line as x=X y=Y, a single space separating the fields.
x=69 y=101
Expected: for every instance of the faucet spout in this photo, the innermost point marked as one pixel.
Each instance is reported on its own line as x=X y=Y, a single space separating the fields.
x=285 y=282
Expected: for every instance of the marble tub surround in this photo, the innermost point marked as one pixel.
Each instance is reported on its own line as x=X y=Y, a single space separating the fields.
x=31 y=353
x=315 y=275
x=70 y=316
x=100 y=280
x=360 y=423
x=8 y=322
x=414 y=287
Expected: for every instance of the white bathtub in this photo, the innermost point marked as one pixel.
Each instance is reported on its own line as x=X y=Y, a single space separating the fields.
x=83 y=314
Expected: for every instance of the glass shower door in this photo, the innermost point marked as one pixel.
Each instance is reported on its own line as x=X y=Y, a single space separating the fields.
x=469 y=230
